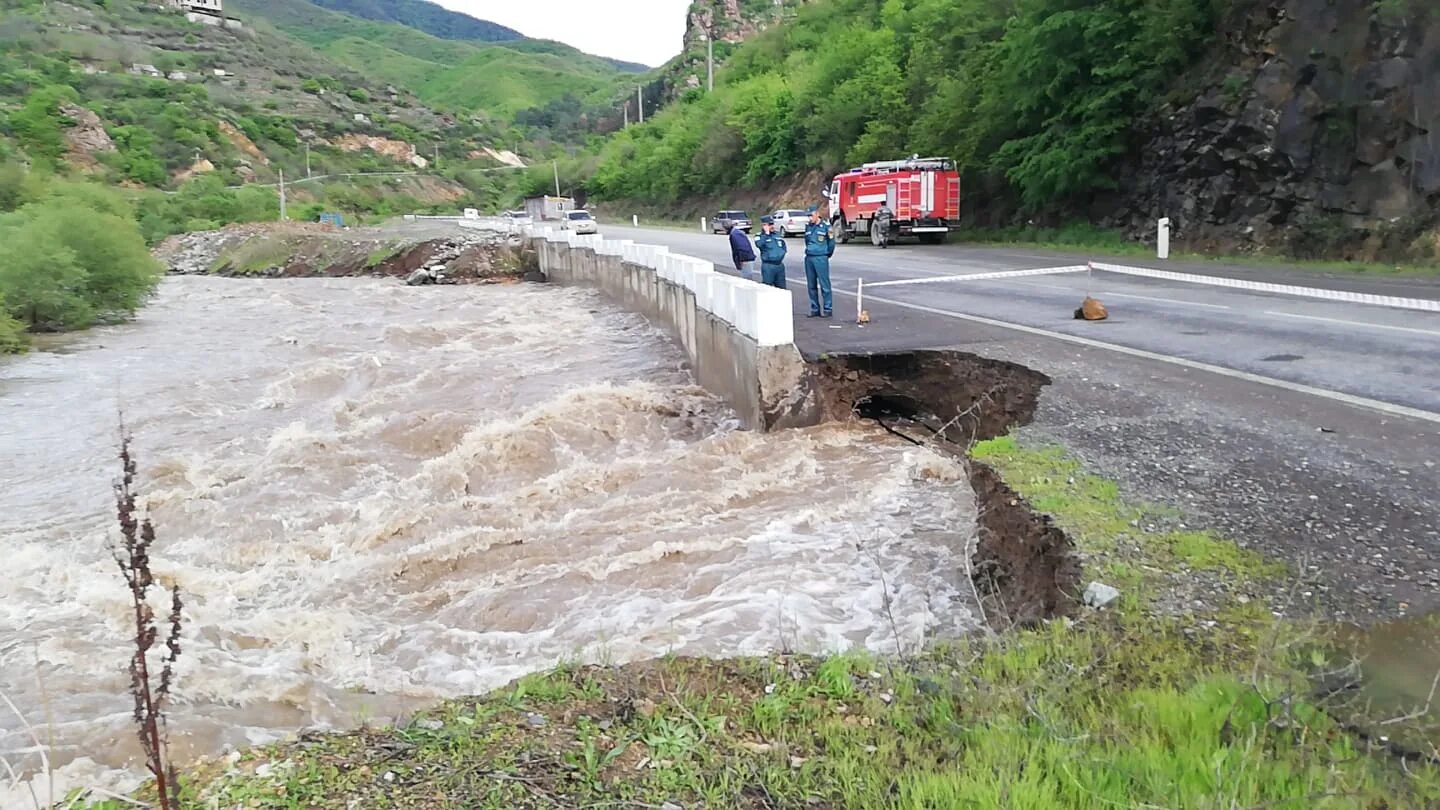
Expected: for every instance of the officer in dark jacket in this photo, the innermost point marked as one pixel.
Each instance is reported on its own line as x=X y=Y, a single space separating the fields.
x=741 y=251
x=819 y=247
x=772 y=254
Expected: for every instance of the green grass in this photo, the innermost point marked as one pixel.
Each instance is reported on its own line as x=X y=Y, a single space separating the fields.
x=1128 y=707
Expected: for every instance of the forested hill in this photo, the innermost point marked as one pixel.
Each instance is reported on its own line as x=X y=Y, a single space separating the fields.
x=424 y=16
x=1270 y=124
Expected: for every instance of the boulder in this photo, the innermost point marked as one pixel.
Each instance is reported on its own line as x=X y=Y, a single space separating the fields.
x=419 y=277
x=1091 y=310
x=1098 y=594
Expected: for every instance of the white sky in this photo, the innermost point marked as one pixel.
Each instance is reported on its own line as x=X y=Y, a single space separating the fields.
x=646 y=31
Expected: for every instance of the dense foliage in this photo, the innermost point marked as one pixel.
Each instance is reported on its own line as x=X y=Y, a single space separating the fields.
x=71 y=255
x=1041 y=93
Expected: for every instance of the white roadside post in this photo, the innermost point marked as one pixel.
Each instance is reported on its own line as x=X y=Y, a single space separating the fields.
x=635 y=220
x=859 y=300
x=1162 y=238
x=702 y=224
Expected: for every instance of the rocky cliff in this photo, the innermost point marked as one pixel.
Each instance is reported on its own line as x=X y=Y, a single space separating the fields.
x=1315 y=129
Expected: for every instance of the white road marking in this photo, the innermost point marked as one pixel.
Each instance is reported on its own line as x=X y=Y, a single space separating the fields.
x=1412 y=330
x=1165 y=300
x=1335 y=396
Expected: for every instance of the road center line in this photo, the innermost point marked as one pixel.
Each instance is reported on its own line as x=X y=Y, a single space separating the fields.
x=1165 y=300
x=1430 y=332
x=1335 y=396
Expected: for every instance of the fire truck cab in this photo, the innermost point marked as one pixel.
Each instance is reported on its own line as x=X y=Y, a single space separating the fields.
x=923 y=195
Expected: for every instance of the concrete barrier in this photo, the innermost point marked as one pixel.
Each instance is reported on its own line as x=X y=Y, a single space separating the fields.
x=739 y=335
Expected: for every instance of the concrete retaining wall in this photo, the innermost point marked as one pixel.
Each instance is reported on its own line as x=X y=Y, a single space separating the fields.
x=739 y=335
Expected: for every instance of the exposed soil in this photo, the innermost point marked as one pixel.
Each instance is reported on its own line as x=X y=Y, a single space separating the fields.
x=1025 y=568
x=300 y=250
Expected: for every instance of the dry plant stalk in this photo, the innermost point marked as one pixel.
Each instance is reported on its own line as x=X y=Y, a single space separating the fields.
x=132 y=554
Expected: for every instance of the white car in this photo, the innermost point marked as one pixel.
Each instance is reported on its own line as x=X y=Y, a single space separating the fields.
x=791 y=222
x=580 y=222
x=517 y=217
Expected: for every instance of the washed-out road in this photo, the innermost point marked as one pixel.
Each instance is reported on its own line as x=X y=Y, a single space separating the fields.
x=1305 y=427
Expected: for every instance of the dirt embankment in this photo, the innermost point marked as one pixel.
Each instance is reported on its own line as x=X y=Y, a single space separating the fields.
x=1025 y=568
x=301 y=250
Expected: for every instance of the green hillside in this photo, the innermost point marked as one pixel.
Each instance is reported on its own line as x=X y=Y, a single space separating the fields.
x=1037 y=95
x=424 y=16
x=500 y=78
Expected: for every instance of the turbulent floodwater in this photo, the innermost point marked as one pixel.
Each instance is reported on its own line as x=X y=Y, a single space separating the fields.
x=373 y=496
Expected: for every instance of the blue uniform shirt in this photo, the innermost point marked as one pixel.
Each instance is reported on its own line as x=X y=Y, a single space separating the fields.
x=772 y=248
x=818 y=241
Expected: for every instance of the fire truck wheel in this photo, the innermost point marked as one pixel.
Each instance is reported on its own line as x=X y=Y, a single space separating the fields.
x=839 y=231
x=877 y=236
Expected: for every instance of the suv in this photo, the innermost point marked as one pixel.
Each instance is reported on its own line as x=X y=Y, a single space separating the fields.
x=725 y=220
x=791 y=221
x=579 y=222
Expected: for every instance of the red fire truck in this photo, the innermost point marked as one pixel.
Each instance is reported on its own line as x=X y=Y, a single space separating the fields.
x=923 y=195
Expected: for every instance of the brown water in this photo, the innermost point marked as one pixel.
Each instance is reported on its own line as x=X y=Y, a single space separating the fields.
x=375 y=496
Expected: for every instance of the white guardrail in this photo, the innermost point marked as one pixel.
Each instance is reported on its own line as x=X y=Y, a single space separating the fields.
x=758 y=311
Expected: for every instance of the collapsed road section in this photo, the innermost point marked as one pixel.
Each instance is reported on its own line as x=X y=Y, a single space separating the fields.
x=739 y=337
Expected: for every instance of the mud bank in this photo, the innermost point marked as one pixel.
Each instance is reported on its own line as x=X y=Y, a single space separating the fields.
x=307 y=250
x=1025 y=568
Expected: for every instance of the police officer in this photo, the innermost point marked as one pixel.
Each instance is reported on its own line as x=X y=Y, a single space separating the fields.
x=819 y=247
x=772 y=249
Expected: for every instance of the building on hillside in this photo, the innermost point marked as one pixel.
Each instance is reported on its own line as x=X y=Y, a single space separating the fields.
x=208 y=7
x=205 y=12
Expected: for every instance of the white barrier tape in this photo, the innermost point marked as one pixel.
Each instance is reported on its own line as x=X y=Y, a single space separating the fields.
x=1039 y=271
x=1421 y=304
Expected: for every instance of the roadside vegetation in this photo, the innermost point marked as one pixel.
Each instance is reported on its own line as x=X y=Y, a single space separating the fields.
x=1141 y=703
x=1005 y=89
x=71 y=255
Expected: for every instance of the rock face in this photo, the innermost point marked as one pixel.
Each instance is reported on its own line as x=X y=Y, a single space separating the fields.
x=1317 y=129
x=239 y=140
x=87 y=136
x=396 y=150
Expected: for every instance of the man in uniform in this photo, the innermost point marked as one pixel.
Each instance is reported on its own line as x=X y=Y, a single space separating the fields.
x=772 y=254
x=819 y=247
x=883 y=219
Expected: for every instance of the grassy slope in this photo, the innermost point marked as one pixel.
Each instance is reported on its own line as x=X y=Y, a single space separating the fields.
x=500 y=78
x=1130 y=706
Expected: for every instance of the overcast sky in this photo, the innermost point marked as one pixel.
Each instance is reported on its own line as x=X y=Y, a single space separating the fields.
x=647 y=31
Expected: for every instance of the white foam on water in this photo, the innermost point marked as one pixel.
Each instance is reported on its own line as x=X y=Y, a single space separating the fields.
x=373 y=497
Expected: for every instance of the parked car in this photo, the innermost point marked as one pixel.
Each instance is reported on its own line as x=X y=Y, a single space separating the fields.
x=791 y=221
x=517 y=218
x=580 y=222
x=725 y=220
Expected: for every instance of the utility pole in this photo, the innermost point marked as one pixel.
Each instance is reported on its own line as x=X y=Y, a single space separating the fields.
x=307 y=158
x=640 y=101
x=627 y=114
x=555 y=164
x=436 y=153
x=282 y=195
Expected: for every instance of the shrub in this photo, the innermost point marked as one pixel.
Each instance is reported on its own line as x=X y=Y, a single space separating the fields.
x=72 y=258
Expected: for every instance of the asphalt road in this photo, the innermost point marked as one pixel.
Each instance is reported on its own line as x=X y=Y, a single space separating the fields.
x=1306 y=428
x=1389 y=355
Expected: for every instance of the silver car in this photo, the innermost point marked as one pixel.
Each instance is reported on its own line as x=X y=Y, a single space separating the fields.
x=791 y=222
x=580 y=222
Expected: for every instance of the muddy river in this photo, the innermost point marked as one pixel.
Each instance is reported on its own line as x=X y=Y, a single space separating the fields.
x=375 y=496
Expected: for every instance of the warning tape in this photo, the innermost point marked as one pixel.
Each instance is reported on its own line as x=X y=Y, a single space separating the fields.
x=1039 y=271
x=1397 y=302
